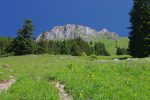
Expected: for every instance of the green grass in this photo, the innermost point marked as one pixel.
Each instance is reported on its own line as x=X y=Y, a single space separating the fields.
x=83 y=78
x=111 y=44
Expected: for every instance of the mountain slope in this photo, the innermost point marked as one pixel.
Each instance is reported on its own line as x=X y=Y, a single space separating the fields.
x=111 y=44
x=71 y=31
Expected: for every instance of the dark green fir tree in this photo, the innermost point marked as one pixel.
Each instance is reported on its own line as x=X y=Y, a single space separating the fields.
x=22 y=45
x=139 y=44
x=76 y=50
x=64 y=48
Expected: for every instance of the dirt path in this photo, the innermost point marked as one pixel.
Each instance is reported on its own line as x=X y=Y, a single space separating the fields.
x=62 y=93
x=4 y=85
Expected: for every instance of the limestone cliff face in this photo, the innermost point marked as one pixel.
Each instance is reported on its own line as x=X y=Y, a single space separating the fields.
x=71 y=31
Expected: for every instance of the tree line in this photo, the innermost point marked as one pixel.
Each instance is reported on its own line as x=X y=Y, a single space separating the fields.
x=75 y=47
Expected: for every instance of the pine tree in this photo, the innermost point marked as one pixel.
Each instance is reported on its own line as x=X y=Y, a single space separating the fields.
x=90 y=51
x=91 y=42
x=64 y=48
x=22 y=45
x=139 y=44
x=76 y=50
x=105 y=52
x=121 y=51
x=41 y=47
x=100 y=49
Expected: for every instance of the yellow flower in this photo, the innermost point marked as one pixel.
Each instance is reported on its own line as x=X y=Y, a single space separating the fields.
x=81 y=94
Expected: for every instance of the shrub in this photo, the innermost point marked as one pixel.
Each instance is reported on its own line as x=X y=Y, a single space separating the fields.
x=4 y=53
x=93 y=57
x=121 y=51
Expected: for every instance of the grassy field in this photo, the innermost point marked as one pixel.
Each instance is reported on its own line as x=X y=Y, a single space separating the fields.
x=100 y=79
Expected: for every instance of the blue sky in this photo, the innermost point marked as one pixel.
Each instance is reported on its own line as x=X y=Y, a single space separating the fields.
x=45 y=14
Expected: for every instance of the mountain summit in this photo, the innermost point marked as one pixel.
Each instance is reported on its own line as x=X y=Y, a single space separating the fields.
x=71 y=31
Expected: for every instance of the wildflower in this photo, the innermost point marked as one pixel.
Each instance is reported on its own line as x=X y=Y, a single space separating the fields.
x=81 y=94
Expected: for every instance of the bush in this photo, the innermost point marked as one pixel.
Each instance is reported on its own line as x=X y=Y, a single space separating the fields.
x=4 y=53
x=122 y=51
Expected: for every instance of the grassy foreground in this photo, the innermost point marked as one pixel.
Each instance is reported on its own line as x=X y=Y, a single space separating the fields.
x=83 y=78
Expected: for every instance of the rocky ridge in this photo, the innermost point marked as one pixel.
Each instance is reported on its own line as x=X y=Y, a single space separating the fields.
x=71 y=31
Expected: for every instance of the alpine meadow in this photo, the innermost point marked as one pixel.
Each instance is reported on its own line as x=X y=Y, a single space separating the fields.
x=75 y=61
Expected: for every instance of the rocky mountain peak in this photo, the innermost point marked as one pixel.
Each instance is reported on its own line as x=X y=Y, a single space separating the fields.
x=71 y=31
x=103 y=31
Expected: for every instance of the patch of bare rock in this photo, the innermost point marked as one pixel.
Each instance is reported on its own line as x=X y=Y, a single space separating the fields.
x=5 y=85
x=62 y=93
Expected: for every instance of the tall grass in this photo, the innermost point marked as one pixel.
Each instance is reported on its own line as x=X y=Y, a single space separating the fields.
x=83 y=78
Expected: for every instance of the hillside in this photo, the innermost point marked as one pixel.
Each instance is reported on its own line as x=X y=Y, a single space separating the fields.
x=111 y=44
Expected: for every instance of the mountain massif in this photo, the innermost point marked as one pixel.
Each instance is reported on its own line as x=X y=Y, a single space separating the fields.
x=71 y=31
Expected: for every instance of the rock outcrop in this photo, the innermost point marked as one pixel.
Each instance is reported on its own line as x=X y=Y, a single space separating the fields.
x=71 y=31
